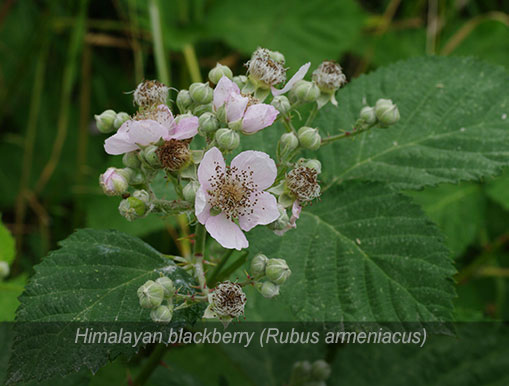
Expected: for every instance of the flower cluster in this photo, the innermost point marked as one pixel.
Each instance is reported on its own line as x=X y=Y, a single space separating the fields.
x=227 y=200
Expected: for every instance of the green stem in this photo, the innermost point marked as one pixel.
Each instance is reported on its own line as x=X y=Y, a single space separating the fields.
x=171 y=207
x=157 y=36
x=345 y=134
x=192 y=62
x=311 y=115
x=198 y=252
x=152 y=362
x=220 y=266
x=233 y=267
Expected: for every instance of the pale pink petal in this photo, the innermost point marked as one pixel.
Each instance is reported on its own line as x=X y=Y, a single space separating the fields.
x=235 y=107
x=296 y=209
x=299 y=75
x=226 y=232
x=201 y=206
x=264 y=208
x=223 y=90
x=187 y=127
x=163 y=116
x=119 y=143
x=146 y=131
x=258 y=117
x=258 y=165
x=211 y=164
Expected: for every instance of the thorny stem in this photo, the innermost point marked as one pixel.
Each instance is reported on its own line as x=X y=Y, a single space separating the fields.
x=171 y=207
x=345 y=134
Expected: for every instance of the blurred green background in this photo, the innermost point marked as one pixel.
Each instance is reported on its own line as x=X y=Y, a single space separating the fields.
x=61 y=62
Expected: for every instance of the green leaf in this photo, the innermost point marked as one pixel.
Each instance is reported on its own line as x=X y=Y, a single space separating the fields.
x=364 y=253
x=497 y=190
x=458 y=210
x=92 y=278
x=10 y=290
x=303 y=31
x=7 y=250
x=454 y=124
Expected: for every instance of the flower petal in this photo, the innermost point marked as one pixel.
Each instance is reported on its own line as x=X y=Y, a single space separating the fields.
x=259 y=165
x=258 y=117
x=211 y=164
x=134 y=133
x=235 y=107
x=299 y=75
x=265 y=211
x=201 y=206
x=186 y=127
x=119 y=143
x=223 y=90
x=226 y=232
x=296 y=209
x=162 y=115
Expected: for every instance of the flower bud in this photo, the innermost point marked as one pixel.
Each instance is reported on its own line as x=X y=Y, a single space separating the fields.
x=104 y=121
x=150 y=294
x=320 y=370
x=268 y=289
x=277 y=56
x=114 y=182
x=287 y=143
x=368 y=115
x=162 y=314
x=184 y=101
x=151 y=155
x=190 y=190
x=137 y=179
x=305 y=91
x=131 y=160
x=199 y=110
x=208 y=123
x=240 y=80
x=4 y=270
x=281 y=103
x=150 y=93
x=201 y=93
x=132 y=208
x=227 y=139
x=120 y=119
x=386 y=112
x=142 y=195
x=277 y=271
x=309 y=138
x=218 y=72
x=301 y=371
x=311 y=163
x=168 y=286
x=258 y=265
x=283 y=221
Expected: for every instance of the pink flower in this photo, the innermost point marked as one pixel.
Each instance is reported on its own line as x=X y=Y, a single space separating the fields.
x=254 y=117
x=161 y=124
x=228 y=195
x=299 y=75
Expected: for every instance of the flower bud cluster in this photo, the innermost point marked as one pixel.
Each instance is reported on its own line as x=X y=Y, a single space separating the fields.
x=274 y=271
x=305 y=373
x=109 y=121
x=385 y=113
x=158 y=297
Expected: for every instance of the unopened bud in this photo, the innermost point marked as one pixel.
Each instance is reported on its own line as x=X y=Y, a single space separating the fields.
x=168 y=286
x=283 y=221
x=208 y=123
x=305 y=91
x=281 y=103
x=115 y=182
x=184 y=101
x=132 y=208
x=104 y=121
x=311 y=163
x=301 y=371
x=201 y=93
x=131 y=160
x=368 y=115
x=120 y=119
x=151 y=156
x=277 y=56
x=150 y=294
x=287 y=143
x=218 y=72
x=309 y=138
x=4 y=270
x=386 y=112
x=190 y=190
x=258 y=265
x=277 y=271
x=268 y=289
x=142 y=195
x=199 y=110
x=150 y=93
x=240 y=80
x=162 y=314
x=137 y=179
x=320 y=370
x=227 y=139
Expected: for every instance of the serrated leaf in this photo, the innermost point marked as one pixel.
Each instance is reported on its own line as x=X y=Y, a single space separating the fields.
x=364 y=253
x=458 y=210
x=7 y=250
x=92 y=278
x=454 y=124
x=303 y=31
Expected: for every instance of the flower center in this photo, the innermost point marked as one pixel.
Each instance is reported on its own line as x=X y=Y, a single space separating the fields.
x=303 y=183
x=229 y=299
x=233 y=192
x=174 y=154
